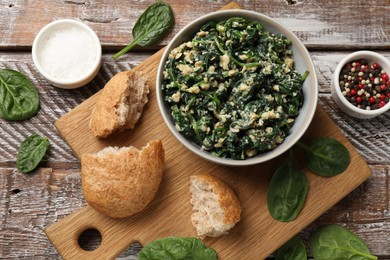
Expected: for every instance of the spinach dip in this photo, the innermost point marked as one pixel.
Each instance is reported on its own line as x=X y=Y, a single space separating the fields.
x=233 y=89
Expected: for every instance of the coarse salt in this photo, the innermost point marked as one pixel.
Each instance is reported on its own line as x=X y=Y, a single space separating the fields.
x=68 y=53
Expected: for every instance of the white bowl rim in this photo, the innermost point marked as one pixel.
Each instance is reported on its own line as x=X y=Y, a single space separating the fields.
x=260 y=158
x=80 y=79
x=363 y=54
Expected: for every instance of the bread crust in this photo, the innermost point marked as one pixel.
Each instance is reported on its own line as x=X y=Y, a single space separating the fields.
x=122 y=182
x=126 y=89
x=227 y=200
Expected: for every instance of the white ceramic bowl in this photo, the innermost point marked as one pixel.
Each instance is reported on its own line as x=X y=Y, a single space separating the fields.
x=67 y=53
x=302 y=60
x=338 y=97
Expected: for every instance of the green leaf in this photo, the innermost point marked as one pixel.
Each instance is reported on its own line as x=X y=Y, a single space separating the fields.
x=336 y=242
x=19 y=99
x=326 y=157
x=287 y=192
x=292 y=250
x=151 y=26
x=31 y=152
x=172 y=248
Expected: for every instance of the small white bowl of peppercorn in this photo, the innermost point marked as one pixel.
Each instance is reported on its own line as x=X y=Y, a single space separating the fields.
x=361 y=84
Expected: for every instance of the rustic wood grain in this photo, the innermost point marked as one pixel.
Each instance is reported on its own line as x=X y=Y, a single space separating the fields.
x=256 y=228
x=28 y=203
x=366 y=210
x=55 y=102
x=260 y=231
x=331 y=24
x=31 y=202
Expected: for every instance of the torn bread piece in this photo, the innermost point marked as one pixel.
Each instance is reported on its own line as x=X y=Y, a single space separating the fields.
x=216 y=209
x=120 y=103
x=120 y=182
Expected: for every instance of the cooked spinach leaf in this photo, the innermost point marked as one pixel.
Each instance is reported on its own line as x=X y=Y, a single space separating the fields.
x=294 y=249
x=19 y=99
x=151 y=26
x=287 y=192
x=326 y=156
x=336 y=242
x=233 y=89
x=31 y=152
x=175 y=248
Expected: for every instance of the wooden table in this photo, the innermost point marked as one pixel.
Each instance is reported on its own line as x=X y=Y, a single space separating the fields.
x=330 y=29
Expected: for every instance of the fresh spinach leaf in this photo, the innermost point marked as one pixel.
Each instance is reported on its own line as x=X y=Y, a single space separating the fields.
x=152 y=25
x=31 y=152
x=326 y=156
x=19 y=99
x=336 y=242
x=172 y=248
x=292 y=250
x=287 y=192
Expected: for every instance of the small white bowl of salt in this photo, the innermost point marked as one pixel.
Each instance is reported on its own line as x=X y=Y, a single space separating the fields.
x=67 y=53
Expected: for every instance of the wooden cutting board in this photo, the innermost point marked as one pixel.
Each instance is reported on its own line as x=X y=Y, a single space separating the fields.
x=256 y=236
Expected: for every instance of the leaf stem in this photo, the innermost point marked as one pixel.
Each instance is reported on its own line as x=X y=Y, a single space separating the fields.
x=126 y=49
x=353 y=252
x=196 y=129
x=303 y=146
x=325 y=158
x=291 y=155
x=304 y=76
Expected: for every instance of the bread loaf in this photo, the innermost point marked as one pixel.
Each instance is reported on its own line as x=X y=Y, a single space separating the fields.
x=120 y=182
x=120 y=103
x=216 y=209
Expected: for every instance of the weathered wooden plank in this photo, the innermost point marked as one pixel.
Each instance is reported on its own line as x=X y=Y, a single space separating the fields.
x=370 y=137
x=55 y=102
x=30 y=202
x=320 y=24
x=41 y=203
x=367 y=204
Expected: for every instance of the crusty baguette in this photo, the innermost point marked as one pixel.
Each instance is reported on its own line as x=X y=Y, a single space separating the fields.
x=216 y=209
x=120 y=103
x=120 y=182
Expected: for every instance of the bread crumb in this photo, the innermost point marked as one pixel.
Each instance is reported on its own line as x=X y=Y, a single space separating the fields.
x=216 y=209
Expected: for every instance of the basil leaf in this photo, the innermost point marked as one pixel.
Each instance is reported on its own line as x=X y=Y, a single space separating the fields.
x=19 y=99
x=31 y=152
x=287 y=192
x=172 y=248
x=326 y=157
x=153 y=24
x=336 y=242
x=292 y=250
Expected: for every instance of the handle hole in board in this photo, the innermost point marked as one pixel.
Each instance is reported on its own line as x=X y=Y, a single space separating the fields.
x=90 y=239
